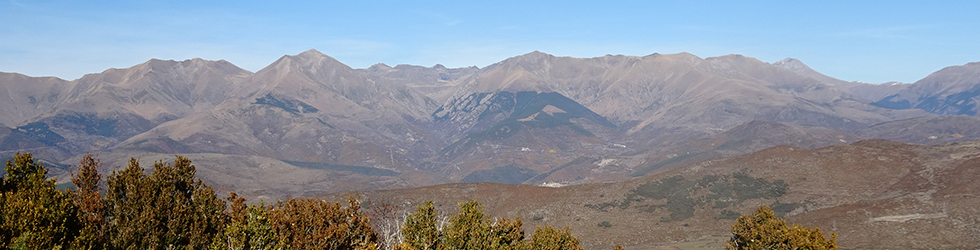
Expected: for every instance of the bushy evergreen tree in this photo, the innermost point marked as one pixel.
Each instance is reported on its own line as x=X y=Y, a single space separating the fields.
x=167 y=209
x=92 y=213
x=170 y=208
x=506 y=234
x=764 y=230
x=248 y=227
x=549 y=238
x=33 y=214
x=316 y=224
x=419 y=230
x=470 y=229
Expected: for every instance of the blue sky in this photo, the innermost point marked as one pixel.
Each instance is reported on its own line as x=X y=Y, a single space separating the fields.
x=872 y=41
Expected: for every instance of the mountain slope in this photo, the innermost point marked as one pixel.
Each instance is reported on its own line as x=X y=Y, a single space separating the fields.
x=156 y=90
x=528 y=131
x=100 y=110
x=307 y=108
x=927 y=130
x=534 y=118
x=631 y=110
x=436 y=81
x=655 y=102
x=676 y=90
x=25 y=98
x=953 y=90
x=333 y=88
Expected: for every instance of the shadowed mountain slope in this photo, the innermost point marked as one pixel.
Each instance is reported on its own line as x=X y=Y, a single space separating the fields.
x=528 y=131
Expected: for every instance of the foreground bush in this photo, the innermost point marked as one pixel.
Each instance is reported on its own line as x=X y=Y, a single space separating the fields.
x=33 y=214
x=167 y=208
x=470 y=229
x=248 y=227
x=317 y=224
x=764 y=230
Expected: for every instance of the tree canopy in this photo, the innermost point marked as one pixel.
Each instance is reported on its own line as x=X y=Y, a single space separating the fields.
x=33 y=214
x=471 y=229
x=167 y=207
x=765 y=230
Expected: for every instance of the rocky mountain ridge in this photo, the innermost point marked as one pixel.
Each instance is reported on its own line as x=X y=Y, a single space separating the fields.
x=531 y=119
x=866 y=91
x=953 y=90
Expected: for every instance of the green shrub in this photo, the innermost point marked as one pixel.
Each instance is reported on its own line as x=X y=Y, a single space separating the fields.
x=470 y=229
x=682 y=197
x=32 y=212
x=764 y=230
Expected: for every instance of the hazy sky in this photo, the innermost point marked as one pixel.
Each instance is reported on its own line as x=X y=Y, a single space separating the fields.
x=872 y=41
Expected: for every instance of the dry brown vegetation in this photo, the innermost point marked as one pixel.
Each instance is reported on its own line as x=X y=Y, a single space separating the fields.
x=874 y=194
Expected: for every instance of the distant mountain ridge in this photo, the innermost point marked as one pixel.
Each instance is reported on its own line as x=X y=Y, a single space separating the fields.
x=867 y=91
x=549 y=118
x=98 y=111
x=953 y=90
x=297 y=109
x=436 y=81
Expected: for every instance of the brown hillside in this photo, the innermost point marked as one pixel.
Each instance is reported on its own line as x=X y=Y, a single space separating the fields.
x=875 y=194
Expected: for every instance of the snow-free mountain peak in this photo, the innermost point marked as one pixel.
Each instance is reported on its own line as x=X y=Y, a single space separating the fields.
x=802 y=69
x=791 y=64
x=311 y=53
x=866 y=91
x=310 y=60
x=377 y=67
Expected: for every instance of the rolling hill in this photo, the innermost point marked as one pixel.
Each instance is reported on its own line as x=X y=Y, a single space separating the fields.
x=875 y=194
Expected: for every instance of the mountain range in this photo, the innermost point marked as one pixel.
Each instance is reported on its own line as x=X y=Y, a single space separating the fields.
x=309 y=124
